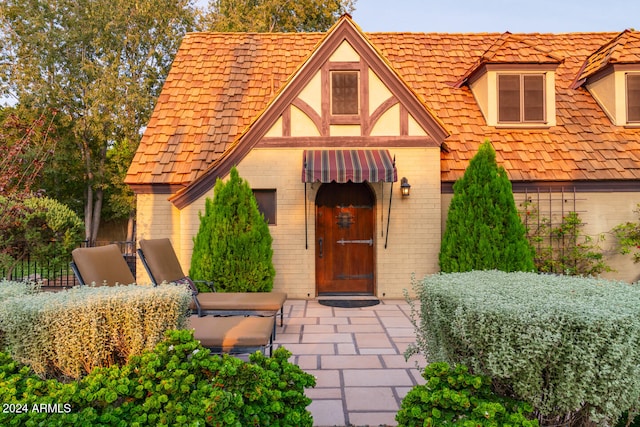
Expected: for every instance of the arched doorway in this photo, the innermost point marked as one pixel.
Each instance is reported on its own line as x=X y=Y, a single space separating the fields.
x=345 y=239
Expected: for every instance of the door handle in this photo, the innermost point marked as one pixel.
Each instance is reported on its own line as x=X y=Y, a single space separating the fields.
x=320 y=242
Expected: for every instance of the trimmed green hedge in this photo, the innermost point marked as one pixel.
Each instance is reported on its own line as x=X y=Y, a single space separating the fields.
x=69 y=333
x=178 y=384
x=570 y=346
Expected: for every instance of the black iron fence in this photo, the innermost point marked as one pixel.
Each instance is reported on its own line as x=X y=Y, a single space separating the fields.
x=56 y=275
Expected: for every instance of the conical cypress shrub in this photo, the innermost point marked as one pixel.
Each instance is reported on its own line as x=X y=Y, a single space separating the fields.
x=233 y=245
x=484 y=231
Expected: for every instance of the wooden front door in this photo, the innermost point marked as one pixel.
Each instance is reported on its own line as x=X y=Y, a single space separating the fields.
x=345 y=239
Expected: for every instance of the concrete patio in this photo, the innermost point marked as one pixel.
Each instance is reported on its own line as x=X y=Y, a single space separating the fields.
x=356 y=354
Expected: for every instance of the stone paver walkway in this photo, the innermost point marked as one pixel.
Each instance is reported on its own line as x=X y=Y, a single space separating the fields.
x=357 y=357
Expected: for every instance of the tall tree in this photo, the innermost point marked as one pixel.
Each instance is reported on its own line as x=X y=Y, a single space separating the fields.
x=27 y=144
x=233 y=244
x=274 y=15
x=484 y=230
x=100 y=64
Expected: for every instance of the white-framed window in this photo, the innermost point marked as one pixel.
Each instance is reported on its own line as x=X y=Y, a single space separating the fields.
x=521 y=98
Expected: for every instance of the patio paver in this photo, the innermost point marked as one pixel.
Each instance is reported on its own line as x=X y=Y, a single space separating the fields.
x=357 y=357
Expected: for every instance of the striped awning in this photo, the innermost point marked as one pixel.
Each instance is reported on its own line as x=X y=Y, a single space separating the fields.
x=348 y=165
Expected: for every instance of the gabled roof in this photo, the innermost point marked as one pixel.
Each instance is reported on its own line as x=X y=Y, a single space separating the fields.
x=345 y=30
x=220 y=85
x=622 y=49
x=510 y=49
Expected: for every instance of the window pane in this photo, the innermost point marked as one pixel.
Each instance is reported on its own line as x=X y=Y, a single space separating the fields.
x=533 y=98
x=633 y=97
x=509 y=98
x=344 y=92
x=267 y=204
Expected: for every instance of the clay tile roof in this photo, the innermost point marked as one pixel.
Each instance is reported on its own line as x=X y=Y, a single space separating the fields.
x=221 y=82
x=622 y=49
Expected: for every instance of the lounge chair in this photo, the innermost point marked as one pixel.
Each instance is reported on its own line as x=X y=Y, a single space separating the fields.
x=161 y=262
x=105 y=265
x=101 y=265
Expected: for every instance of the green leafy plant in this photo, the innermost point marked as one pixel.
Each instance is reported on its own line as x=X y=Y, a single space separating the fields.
x=483 y=230
x=37 y=226
x=178 y=383
x=568 y=345
x=628 y=237
x=563 y=248
x=233 y=244
x=453 y=396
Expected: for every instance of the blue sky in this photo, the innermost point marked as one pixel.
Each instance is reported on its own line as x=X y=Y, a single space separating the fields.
x=516 y=16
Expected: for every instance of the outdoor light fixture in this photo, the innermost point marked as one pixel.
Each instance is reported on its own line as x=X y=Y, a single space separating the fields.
x=405 y=187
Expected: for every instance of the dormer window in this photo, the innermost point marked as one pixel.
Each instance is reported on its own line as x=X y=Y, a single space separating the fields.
x=344 y=93
x=521 y=98
x=633 y=98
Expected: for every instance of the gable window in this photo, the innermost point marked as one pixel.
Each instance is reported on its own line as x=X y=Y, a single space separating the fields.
x=633 y=98
x=266 y=204
x=521 y=98
x=344 y=93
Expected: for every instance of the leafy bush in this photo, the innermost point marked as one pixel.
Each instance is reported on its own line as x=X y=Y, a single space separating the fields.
x=233 y=245
x=178 y=383
x=568 y=345
x=10 y=289
x=628 y=237
x=69 y=333
x=452 y=396
x=563 y=248
x=40 y=227
x=483 y=230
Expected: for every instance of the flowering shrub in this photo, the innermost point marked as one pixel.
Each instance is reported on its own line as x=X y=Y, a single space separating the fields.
x=70 y=333
x=570 y=346
x=178 y=384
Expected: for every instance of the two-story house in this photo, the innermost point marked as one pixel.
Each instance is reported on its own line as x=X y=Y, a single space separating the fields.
x=332 y=129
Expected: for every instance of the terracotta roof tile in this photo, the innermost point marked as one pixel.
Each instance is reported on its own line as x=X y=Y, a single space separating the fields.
x=221 y=82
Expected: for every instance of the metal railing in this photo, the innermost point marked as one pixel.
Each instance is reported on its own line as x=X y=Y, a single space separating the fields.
x=58 y=275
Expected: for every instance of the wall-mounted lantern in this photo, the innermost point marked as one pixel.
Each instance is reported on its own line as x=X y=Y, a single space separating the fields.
x=405 y=187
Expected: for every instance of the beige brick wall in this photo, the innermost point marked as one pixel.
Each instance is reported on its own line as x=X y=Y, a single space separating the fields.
x=414 y=228
x=156 y=218
x=599 y=212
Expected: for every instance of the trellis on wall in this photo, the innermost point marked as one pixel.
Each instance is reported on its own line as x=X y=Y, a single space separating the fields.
x=555 y=230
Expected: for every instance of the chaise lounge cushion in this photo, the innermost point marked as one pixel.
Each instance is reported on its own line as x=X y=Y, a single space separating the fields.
x=239 y=301
x=229 y=334
x=161 y=260
x=102 y=265
x=162 y=264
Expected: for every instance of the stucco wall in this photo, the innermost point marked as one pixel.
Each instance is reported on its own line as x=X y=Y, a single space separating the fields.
x=600 y=212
